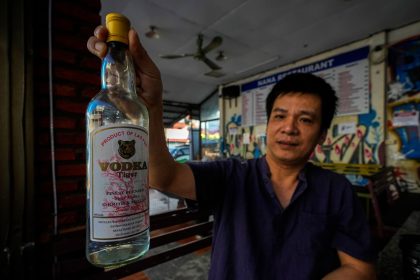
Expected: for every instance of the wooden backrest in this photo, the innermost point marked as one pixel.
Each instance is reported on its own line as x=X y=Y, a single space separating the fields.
x=385 y=184
x=173 y=234
x=384 y=192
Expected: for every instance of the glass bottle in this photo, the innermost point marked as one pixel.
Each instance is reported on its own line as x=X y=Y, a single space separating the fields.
x=117 y=125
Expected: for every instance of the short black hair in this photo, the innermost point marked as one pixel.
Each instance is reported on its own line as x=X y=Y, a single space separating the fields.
x=308 y=84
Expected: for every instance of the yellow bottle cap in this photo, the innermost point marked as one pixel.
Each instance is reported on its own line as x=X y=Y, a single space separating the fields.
x=118 y=27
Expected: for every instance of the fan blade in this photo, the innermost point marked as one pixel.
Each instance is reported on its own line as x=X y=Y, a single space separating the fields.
x=215 y=74
x=217 y=41
x=200 y=41
x=172 y=56
x=211 y=64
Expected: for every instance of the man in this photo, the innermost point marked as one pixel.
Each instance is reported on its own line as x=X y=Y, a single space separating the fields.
x=276 y=217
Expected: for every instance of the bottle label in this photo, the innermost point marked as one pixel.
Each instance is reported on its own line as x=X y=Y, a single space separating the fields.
x=119 y=196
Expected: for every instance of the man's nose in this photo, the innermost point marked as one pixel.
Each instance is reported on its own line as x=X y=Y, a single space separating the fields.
x=290 y=126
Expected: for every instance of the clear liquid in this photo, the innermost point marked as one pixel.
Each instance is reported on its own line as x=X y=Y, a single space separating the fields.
x=111 y=108
x=118 y=253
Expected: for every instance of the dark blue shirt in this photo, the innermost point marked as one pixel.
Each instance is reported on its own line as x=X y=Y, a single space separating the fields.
x=255 y=238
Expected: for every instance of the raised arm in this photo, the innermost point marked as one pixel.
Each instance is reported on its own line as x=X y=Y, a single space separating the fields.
x=165 y=174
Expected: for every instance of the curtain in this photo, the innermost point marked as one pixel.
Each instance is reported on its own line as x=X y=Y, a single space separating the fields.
x=16 y=140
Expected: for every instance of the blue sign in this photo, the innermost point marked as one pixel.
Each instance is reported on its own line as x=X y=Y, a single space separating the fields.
x=335 y=61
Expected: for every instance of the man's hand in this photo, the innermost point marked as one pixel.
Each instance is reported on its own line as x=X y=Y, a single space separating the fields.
x=149 y=83
x=352 y=269
x=164 y=173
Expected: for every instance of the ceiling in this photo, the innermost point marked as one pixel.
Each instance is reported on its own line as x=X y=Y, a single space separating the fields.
x=257 y=35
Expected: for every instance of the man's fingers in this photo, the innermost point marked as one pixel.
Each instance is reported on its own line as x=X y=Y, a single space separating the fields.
x=140 y=56
x=96 y=44
x=101 y=33
x=96 y=47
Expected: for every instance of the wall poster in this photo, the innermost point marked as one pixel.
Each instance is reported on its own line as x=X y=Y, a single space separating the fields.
x=403 y=111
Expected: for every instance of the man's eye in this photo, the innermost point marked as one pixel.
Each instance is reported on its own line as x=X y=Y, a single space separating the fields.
x=306 y=120
x=278 y=117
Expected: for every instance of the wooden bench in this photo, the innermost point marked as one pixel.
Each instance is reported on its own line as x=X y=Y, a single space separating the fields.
x=173 y=234
x=189 y=228
x=379 y=194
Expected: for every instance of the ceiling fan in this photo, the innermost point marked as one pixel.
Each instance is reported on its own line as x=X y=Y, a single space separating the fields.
x=201 y=52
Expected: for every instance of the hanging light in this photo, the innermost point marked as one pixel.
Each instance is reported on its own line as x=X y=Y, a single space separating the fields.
x=221 y=56
x=152 y=33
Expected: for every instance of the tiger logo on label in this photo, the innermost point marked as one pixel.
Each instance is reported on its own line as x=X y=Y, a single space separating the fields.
x=127 y=149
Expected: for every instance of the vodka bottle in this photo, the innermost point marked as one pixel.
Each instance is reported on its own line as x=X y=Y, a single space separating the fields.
x=117 y=122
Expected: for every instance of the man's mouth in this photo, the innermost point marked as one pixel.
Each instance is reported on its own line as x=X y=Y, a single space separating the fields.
x=288 y=143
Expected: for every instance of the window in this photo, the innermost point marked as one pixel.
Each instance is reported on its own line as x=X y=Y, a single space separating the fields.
x=210 y=138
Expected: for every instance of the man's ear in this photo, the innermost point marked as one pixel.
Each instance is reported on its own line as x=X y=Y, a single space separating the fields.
x=322 y=137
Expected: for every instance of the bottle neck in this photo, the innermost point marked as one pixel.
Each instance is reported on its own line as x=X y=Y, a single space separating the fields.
x=117 y=72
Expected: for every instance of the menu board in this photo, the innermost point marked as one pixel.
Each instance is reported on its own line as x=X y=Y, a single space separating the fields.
x=347 y=73
x=351 y=82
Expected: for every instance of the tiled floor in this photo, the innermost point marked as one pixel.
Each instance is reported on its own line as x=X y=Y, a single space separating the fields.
x=193 y=266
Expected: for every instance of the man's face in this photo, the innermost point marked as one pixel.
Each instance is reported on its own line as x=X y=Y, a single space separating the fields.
x=294 y=128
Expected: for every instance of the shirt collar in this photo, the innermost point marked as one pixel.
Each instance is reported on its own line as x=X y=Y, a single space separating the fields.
x=266 y=177
x=265 y=169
